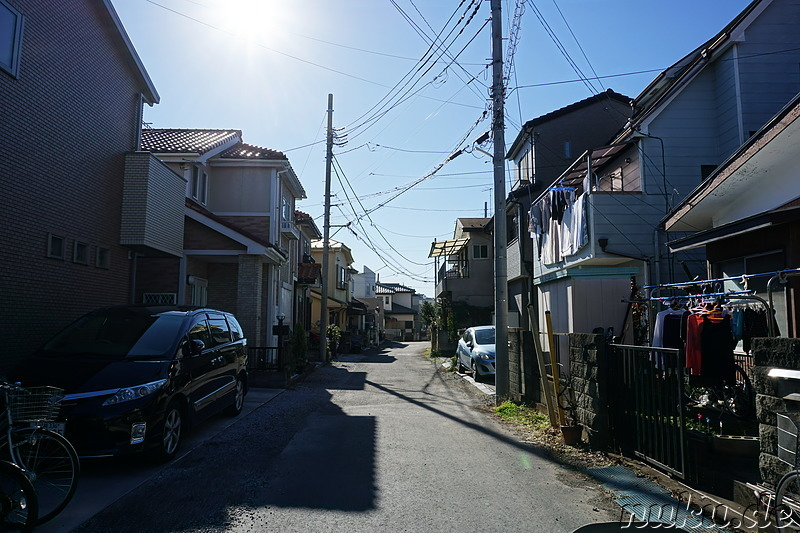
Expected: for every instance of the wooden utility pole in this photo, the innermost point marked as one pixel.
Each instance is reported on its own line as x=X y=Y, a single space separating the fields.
x=326 y=230
x=498 y=161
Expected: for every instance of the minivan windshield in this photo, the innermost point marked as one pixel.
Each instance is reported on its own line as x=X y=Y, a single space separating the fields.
x=484 y=336
x=118 y=334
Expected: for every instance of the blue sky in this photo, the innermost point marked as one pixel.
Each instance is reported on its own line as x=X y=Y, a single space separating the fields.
x=266 y=67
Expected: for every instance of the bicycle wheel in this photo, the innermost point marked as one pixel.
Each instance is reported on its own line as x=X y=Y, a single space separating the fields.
x=787 y=502
x=18 y=503
x=52 y=465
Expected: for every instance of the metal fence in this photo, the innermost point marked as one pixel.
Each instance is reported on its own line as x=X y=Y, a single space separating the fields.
x=647 y=404
x=263 y=358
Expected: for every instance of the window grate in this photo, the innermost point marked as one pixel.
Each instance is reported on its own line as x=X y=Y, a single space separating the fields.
x=159 y=298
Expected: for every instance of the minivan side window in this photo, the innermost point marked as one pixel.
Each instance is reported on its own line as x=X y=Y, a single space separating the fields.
x=199 y=331
x=236 y=329
x=219 y=330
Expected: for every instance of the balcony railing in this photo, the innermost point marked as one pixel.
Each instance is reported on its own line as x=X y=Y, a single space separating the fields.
x=453 y=270
x=289 y=228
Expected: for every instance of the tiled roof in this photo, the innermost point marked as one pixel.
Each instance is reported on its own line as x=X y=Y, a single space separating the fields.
x=249 y=151
x=398 y=309
x=185 y=140
x=398 y=288
x=191 y=204
x=299 y=215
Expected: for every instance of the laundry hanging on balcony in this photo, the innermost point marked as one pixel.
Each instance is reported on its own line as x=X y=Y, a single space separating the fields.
x=558 y=224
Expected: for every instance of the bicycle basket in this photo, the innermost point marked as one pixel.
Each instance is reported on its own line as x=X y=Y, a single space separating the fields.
x=35 y=404
x=788 y=424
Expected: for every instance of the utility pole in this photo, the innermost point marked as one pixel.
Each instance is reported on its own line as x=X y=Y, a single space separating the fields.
x=498 y=161
x=323 y=319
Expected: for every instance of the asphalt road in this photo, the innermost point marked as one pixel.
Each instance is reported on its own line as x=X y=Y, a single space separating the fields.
x=372 y=443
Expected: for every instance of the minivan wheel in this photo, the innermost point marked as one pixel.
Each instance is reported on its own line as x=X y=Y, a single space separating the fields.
x=171 y=433
x=238 y=400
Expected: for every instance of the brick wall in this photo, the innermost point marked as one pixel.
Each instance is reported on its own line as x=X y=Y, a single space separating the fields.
x=157 y=274
x=67 y=121
x=223 y=281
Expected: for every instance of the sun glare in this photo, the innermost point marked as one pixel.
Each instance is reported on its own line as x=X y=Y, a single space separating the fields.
x=258 y=21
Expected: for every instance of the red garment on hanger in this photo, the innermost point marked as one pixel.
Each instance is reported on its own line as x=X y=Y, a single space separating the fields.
x=694 y=348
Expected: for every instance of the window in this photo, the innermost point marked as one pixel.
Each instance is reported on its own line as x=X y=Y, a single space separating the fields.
x=195 y=183
x=199 y=184
x=220 y=333
x=80 y=253
x=236 y=329
x=567 y=150
x=199 y=332
x=341 y=279
x=103 y=259
x=198 y=291
x=512 y=228
x=409 y=324
x=203 y=192
x=286 y=208
x=10 y=38
x=480 y=251
x=55 y=246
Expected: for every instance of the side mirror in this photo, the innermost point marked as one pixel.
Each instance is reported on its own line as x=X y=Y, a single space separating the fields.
x=193 y=347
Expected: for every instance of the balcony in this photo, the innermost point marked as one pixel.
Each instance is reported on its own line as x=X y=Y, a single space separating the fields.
x=289 y=229
x=153 y=202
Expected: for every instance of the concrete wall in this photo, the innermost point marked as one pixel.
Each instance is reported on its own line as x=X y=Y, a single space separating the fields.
x=588 y=370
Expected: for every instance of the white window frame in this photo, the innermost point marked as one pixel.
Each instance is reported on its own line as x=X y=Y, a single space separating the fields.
x=52 y=238
x=12 y=38
x=80 y=253
x=198 y=291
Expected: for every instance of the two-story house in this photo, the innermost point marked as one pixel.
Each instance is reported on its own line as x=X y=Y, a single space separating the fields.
x=309 y=273
x=340 y=289
x=685 y=123
x=746 y=216
x=401 y=311
x=542 y=150
x=464 y=272
x=237 y=229
x=68 y=119
x=364 y=291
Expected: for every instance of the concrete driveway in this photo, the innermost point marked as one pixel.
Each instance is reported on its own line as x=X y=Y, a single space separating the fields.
x=104 y=481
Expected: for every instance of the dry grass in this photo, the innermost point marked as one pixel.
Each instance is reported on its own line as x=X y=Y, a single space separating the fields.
x=534 y=427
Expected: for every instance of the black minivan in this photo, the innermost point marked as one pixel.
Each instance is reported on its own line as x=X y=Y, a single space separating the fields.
x=136 y=376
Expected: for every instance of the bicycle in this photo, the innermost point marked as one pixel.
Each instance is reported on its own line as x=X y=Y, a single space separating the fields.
x=787 y=491
x=46 y=457
x=19 y=505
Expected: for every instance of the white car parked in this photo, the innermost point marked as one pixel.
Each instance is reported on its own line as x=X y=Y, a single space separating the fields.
x=476 y=351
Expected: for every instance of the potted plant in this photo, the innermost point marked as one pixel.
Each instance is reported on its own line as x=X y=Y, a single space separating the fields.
x=334 y=334
x=298 y=344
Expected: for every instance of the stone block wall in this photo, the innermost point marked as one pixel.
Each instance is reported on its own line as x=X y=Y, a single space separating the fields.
x=769 y=354
x=588 y=376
